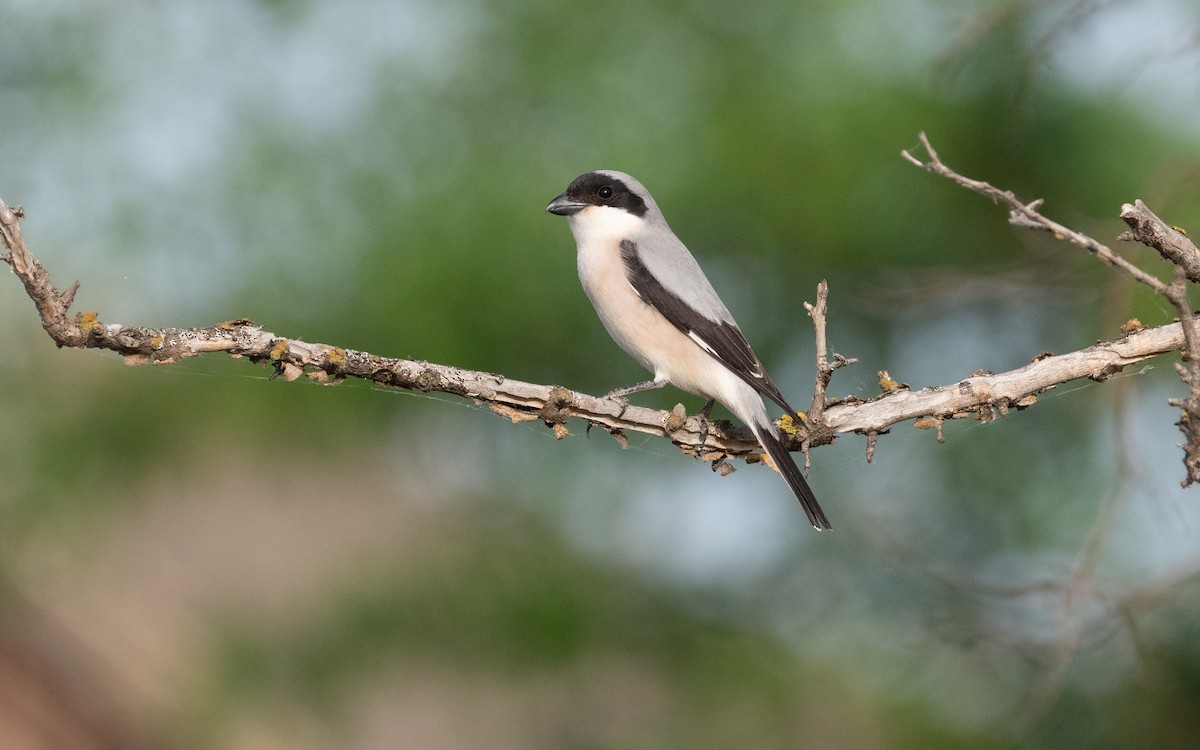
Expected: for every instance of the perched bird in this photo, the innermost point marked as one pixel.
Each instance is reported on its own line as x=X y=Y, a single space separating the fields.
x=660 y=308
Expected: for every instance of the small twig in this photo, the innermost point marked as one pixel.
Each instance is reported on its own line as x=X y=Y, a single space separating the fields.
x=52 y=305
x=1176 y=247
x=1189 y=420
x=1173 y=244
x=1027 y=215
x=816 y=412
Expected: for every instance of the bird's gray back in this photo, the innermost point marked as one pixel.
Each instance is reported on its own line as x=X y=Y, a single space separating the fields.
x=669 y=260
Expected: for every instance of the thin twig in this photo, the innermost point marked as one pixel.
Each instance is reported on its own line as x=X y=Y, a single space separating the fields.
x=1027 y=215
x=52 y=305
x=1171 y=242
x=1189 y=373
x=816 y=412
x=1176 y=247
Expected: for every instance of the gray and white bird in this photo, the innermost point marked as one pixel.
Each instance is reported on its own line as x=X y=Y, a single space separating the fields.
x=660 y=308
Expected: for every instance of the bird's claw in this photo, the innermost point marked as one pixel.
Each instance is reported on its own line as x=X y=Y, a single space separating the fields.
x=618 y=398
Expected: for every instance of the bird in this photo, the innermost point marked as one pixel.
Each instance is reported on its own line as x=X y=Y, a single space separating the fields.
x=657 y=304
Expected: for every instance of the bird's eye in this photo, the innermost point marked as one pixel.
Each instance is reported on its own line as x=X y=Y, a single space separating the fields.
x=605 y=192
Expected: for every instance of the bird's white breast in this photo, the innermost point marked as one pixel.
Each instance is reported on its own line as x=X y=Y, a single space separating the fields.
x=635 y=325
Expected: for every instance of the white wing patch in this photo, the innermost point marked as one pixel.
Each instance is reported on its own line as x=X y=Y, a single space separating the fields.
x=755 y=372
x=703 y=344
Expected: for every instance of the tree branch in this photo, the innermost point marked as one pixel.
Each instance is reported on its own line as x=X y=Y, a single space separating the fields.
x=983 y=397
x=1026 y=215
x=1175 y=246
x=1172 y=244
x=816 y=412
x=987 y=396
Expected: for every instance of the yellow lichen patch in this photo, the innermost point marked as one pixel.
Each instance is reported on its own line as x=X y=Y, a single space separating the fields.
x=886 y=382
x=676 y=419
x=279 y=351
x=336 y=357
x=156 y=341
x=231 y=325
x=1133 y=325
x=788 y=424
x=1179 y=229
x=89 y=321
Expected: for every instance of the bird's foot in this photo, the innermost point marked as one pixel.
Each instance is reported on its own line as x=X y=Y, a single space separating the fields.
x=621 y=401
x=619 y=395
x=629 y=390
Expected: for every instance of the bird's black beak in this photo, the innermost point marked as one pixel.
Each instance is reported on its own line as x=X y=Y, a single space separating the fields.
x=564 y=206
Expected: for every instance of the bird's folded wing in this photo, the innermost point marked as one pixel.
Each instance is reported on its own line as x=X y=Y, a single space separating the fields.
x=719 y=337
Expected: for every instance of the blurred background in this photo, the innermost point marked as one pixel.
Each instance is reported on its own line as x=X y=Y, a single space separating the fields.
x=193 y=556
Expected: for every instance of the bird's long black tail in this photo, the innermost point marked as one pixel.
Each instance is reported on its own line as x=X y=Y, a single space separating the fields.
x=791 y=474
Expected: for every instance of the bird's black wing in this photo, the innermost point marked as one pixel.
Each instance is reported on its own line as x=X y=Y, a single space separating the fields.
x=721 y=339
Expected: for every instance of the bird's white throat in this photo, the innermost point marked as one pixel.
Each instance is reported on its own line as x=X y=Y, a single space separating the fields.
x=604 y=224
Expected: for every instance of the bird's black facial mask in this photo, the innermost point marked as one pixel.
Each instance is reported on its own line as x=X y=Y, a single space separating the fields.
x=598 y=189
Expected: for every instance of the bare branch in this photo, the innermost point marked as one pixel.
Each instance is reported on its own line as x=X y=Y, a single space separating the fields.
x=825 y=368
x=824 y=371
x=1189 y=420
x=986 y=395
x=983 y=396
x=1172 y=243
x=52 y=305
x=1174 y=246
x=1027 y=215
